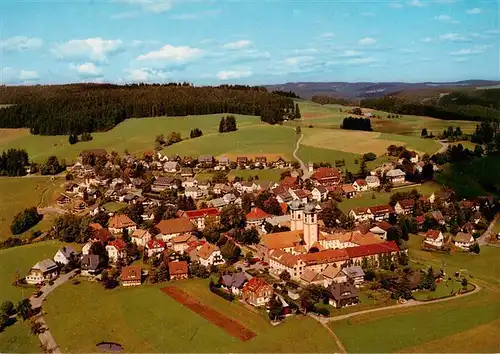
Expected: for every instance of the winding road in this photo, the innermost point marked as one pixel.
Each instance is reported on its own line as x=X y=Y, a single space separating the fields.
x=303 y=166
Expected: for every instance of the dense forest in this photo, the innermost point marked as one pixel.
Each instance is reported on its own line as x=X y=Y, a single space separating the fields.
x=13 y=162
x=330 y=100
x=478 y=106
x=354 y=123
x=79 y=108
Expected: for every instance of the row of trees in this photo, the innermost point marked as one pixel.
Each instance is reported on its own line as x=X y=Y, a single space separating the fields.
x=353 y=123
x=25 y=220
x=74 y=109
x=73 y=138
x=13 y=162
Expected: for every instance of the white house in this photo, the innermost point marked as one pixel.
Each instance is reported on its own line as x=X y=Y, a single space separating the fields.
x=434 y=237
x=189 y=183
x=119 y=222
x=361 y=214
x=209 y=255
x=319 y=193
x=116 y=250
x=154 y=247
x=193 y=192
x=171 y=166
x=86 y=248
x=463 y=240
x=372 y=182
x=140 y=237
x=45 y=270
x=360 y=185
x=64 y=254
x=396 y=176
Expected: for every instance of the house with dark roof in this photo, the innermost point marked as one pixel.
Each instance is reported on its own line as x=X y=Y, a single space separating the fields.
x=90 y=265
x=131 y=276
x=319 y=193
x=233 y=282
x=355 y=274
x=163 y=183
x=342 y=294
x=45 y=270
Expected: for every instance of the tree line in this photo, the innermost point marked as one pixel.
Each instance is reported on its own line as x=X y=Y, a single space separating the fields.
x=353 y=123
x=330 y=100
x=80 y=108
x=13 y=162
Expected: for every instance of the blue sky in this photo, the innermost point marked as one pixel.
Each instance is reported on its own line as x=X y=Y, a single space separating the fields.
x=251 y=42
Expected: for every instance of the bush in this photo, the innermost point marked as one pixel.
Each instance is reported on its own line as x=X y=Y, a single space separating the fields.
x=220 y=292
x=86 y=136
x=369 y=156
x=25 y=220
x=323 y=311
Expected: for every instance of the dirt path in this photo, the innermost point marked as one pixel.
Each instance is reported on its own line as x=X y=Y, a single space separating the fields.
x=303 y=166
x=410 y=303
x=335 y=338
x=444 y=147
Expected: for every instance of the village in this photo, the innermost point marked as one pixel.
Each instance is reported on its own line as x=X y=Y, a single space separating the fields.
x=283 y=246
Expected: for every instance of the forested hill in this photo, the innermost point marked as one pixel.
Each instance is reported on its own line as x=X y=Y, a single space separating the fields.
x=78 y=108
x=476 y=105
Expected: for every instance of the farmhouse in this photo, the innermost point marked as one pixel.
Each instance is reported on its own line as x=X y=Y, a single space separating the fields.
x=405 y=206
x=319 y=193
x=120 y=222
x=434 y=237
x=348 y=191
x=342 y=294
x=162 y=183
x=396 y=176
x=90 y=265
x=131 y=276
x=154 y=247
x=178 y=270
x=181 y=243
x=360 y=185
x=198 y=217
x=116 y=250
x=333 y=274
x=257 y=292
x=64 y=255
x=140 y=237
x=174 y=227
x=361 y=214
x=193 y=192
x=326 y=176
x=372 y=182
x=463 y=240
x=45 y=270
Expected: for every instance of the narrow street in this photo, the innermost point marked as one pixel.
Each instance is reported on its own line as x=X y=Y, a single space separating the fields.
x=46 y=338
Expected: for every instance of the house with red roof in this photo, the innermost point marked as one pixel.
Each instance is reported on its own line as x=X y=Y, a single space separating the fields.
x=198 y=217
x=360 y=214
x=371 y=252
x=434 y=237
x=326 y=176
x=178 y=270
x=116 y=250
x=257 y=292
x=120 y=222
x=405 y=206
x=131 y=276
x=256 y=217
x=348 y=191
x=360 y=185
x=300 y=194
x=154 y=247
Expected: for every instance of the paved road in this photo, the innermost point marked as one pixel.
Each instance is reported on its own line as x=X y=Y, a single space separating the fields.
x=483 y=240
x=46 y=338
x=303 y=166
x=51 y=210
x=410 y=303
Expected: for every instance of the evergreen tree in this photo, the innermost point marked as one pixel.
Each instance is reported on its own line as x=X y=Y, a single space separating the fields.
x=297 y=111
x=424 y=133
x=73 y=139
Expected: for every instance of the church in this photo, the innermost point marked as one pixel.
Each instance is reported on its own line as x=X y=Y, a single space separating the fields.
x=306 y=247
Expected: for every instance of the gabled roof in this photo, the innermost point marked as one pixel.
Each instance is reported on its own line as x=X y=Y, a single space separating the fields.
x=326 y=173
x=395 y=173
x=372 y=179
x=235 y=280
x=354 y=271
x=322 y=257
x=155 y=244
x=280 y=240
x=384 y=225
x=254 y=285
x=175 y=226
x=284 y=258
x=382 y=209
x=118 y=244
x=257 y=214
x=360 y=182
x=310 y=275
x=463 y=237
x=206 y=250
x=90 y=262
x=369 y=250
x=183 y=238
x=139 y=233
x=407 y=203
x=119 y=221
x=131 y=273
x=331 y=272
x=347 y=188
x=67 y=251
x=321 y=188
x=45 y=265
x=193 y=214
x=342 y=291
x=432 y=234
x=103 y=235
x=178 y=268
x=361 y=210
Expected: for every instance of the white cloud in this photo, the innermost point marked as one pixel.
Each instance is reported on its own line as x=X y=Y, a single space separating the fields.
x=154 y=6
x=367 y=41
x=416 y=3
x=124 y=15
x=350 y=53
x=172 y=54
x=92 y=48
x=147 y=75
x=244 y=43
x=233 y=74
x=445 y=18
x=461 y=59
x=87 y=70
x=368 y=14
x=446 y=1
x=470 y=51
x=427 y=39
x=453 y=37
x=474 y=11
x=407 y=50
x=20 y=43
x=328 y=35
x=194 y=15
x=28 y=75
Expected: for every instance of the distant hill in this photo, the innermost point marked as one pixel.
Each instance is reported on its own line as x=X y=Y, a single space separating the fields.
x=359 y=90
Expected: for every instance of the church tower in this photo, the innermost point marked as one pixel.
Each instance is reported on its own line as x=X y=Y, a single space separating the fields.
x=310 y=225
x=296 y=216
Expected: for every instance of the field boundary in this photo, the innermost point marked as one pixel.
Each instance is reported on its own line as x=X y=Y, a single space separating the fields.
x=232 y=327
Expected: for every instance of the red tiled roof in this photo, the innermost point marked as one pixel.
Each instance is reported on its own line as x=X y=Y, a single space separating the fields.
x=327 y=256
x=407 y=203
x=326 y=173
x=178 y=268
x=302 y=193
x=102 y=234
x=254 y=285
x=420 y=219
x=360 y=210
x=257 y=214
x=360 y=182
x=193 y=214
x=118 y=244
x=288 y=181
x=284 y=207
x=369 y=250
x=120 y=221
x=347 y=188
x=175 y=226
x=432 y=234
x=381 y=209
x=155 y=244
x=95 y=226
x=131 y=273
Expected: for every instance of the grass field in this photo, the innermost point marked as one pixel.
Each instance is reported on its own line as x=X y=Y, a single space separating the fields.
x=264 y=175
x=19 y=193
x=443 y=289
x=17 y=338
x=366 y=199
x=263 y=139
x=440 y=327
x=115 y=206
x=135 y=135
x=146 y=320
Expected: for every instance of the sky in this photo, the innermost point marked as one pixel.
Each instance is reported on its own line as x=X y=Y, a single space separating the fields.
x=251 y=42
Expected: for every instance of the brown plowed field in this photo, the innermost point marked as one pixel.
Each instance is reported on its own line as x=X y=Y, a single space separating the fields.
x=230 y=326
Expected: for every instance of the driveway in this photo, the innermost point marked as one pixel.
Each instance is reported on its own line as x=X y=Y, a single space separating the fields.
x=46 y=338
x=483 y=240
